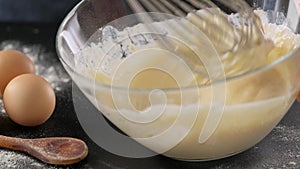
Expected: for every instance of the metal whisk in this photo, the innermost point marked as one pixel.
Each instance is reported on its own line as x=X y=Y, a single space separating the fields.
x=238 y=41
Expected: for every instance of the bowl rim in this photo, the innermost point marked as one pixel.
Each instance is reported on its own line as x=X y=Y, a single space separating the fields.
x=109 y=86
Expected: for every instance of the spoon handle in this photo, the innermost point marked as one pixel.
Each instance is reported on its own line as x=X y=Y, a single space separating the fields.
x=22 y=145
x=52 y=150
x=11 y=143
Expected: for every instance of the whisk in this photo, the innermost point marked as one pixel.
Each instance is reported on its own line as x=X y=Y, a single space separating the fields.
x=225 y=46
x=238 y=40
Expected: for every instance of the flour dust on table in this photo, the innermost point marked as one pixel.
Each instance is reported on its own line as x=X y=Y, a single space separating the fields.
x=46 y=63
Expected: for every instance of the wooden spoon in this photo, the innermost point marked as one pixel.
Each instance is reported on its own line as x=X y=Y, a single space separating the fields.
x=52 y=150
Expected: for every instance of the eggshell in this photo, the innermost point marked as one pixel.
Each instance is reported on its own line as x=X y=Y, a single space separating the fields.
x=29 y=100
x=12 y=64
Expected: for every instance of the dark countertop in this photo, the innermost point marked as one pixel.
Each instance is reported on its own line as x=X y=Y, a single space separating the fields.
x=280 y=149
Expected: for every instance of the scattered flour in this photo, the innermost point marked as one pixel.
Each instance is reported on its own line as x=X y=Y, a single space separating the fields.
x=287 y=134
x=47 y=66
x=15 y=160
x=46 y=63
x=2 y=110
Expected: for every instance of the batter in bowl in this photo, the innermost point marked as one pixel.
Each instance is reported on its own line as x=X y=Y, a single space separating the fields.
x=171 y=121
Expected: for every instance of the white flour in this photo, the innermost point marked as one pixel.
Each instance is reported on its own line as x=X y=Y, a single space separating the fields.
x=15 y=160
x=287 y=134
x=11 y=159
x=2 y=111
x=45 y=62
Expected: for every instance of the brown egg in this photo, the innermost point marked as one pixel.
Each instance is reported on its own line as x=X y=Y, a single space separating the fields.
x=29 y=100
x=12 y=64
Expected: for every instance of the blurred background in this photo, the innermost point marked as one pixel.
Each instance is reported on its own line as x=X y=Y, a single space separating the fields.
x=31 y=11
x=53 y=11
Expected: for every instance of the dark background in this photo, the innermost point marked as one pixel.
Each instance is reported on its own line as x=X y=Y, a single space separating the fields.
x=53 y=11
x=41 y=11
x=32 y=11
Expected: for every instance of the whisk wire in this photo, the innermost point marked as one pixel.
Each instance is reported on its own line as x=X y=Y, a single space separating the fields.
x=183 y=5
x=228 y=39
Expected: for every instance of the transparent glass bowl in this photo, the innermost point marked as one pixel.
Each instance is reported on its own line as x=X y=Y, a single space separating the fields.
x=189 y=123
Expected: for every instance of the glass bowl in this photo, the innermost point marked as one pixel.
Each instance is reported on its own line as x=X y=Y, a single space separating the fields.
x=194 y=123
